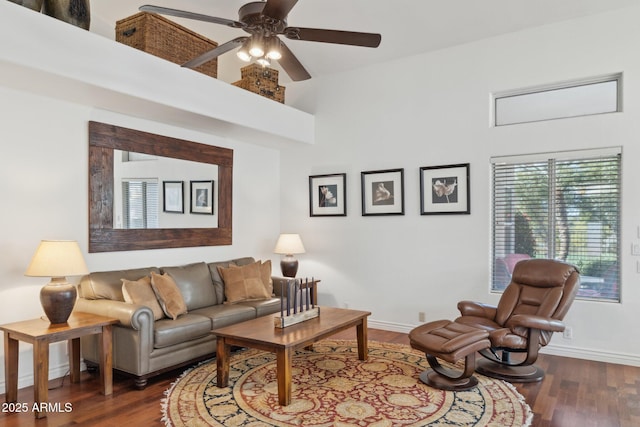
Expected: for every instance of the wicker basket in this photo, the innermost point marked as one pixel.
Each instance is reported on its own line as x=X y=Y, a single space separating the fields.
x=257 y=71
x=165 y=39
x=261 y=80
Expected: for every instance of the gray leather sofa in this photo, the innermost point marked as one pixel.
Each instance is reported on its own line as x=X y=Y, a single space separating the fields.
x=144 y=347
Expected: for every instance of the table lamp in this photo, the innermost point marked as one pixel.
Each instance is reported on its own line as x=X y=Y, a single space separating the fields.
x=287 y=245
x=57 y=259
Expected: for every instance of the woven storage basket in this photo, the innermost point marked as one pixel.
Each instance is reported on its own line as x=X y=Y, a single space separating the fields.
x=261 y=80
x=257 y=71
x=165 y=39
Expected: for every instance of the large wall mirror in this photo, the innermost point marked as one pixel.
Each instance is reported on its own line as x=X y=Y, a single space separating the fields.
x=202 y=170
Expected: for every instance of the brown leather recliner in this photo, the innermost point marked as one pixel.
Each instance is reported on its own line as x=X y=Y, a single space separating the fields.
x=530 y=310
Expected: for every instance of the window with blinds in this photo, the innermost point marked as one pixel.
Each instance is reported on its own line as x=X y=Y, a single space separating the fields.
x=564 y=206
x=140 y=203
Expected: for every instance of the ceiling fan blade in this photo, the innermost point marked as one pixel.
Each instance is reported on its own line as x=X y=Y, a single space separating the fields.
x=291 y=65
x=214 y=53
x=333 y=36
x=278 y=9
x=191 y=15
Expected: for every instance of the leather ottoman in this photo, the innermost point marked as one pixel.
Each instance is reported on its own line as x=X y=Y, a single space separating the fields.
x=450 y=341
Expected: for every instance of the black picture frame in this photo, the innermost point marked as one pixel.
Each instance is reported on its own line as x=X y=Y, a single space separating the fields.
x=328 y=195
x=173 y=196
x=445 y=190
x=382 y=192
x=202 y=197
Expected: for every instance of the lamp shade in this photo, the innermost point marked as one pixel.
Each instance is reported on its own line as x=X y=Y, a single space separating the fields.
x=289 y=244
x=57 y=258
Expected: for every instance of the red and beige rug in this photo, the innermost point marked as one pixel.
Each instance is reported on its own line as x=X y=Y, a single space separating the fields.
x=332 y=387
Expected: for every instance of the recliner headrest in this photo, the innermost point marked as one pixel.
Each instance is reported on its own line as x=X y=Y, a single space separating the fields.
x=542 y=273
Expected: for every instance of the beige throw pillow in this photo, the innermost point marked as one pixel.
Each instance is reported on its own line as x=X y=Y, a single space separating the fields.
x=243 y=283
x=265 y=273
x=168 y=295
x=140 y=292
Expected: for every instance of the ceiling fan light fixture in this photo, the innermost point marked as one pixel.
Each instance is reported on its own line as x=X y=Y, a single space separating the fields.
x=243 y=55
x=256 y=48
x=273 y=48
x=243 y=52
x=264 y=61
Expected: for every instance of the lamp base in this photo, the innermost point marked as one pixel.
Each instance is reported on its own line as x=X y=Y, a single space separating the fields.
x=289 y=266
x=58 y=299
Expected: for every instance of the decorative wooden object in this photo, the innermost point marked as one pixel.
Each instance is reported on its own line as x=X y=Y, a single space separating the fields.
x=261 y=80
x=165 y=39
x=299 y=303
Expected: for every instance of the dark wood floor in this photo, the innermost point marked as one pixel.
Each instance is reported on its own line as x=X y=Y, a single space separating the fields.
x=574 y=393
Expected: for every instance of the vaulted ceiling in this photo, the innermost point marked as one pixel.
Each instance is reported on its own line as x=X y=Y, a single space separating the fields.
x=408 y=27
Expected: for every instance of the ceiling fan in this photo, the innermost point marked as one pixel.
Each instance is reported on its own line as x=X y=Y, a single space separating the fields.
x=264 y=21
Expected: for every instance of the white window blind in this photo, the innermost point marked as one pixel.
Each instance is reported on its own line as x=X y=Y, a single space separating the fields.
x=140 y=203
x=563 y=206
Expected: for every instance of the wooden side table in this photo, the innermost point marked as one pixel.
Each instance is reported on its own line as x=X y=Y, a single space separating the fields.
x=40 y=333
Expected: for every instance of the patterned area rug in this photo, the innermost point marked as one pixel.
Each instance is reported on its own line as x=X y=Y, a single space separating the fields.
x=332 y=387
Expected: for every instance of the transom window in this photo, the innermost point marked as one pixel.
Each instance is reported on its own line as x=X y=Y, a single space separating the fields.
x=563 y=206
x=585 y=97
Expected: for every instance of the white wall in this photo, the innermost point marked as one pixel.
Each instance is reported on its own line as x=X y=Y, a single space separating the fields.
x=44 y=195
x=434 y=109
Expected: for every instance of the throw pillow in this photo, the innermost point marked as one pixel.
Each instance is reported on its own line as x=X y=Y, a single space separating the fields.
x=168 y=295
x=243 y=283
x=265 y=274
x=140 y=292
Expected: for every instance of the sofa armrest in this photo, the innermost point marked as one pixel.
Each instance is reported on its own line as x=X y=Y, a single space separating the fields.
x=133 y=316
x=278 y=283
x=477 y=309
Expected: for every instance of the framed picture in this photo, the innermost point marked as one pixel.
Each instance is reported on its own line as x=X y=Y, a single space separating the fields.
x=383 y=192
x=202 y=197
x=173 y=196
x=445 y=190
x=328 y=195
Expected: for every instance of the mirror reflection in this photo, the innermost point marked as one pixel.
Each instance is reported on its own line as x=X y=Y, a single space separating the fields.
x=160 y=192
x=211 y=188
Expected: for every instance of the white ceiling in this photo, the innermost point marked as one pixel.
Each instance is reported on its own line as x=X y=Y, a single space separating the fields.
x=407 y=26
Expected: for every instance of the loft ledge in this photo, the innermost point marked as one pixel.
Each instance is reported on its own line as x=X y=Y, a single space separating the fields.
x=56 y=59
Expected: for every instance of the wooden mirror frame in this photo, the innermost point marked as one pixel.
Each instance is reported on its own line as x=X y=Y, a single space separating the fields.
x=103 y=139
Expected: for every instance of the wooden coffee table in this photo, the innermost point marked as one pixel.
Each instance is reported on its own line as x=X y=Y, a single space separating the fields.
x=261 y=333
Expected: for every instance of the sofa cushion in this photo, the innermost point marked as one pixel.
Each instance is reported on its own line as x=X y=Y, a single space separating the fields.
x=243 y=283
x=227 y=314
x=140 y=292
x=263 y=307
x=107 y=284
x=168 y=295
x=188 y=327
x=194 y=282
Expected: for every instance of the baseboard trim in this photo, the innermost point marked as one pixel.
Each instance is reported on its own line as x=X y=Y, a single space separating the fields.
x=54 y=373
x=390 y=326
x=591 y=354
x=553 y=349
